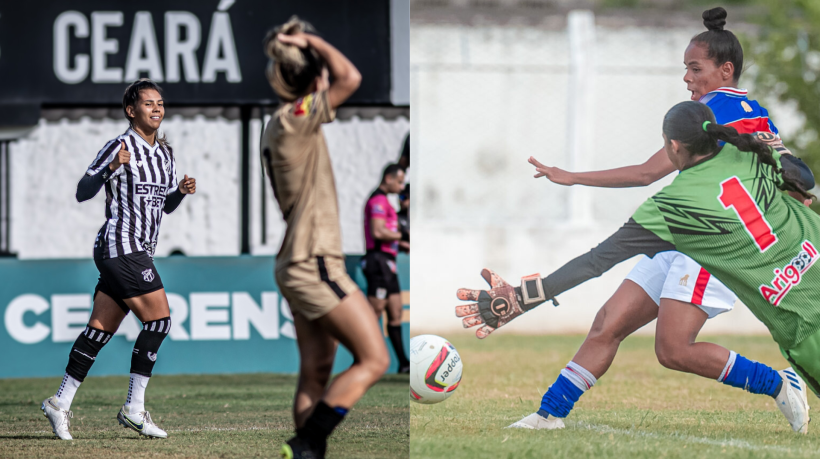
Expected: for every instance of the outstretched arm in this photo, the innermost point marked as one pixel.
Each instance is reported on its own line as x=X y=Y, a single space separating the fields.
x=502 y=303
x=654 y=169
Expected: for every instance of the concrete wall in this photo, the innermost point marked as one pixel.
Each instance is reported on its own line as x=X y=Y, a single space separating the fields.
x=485 y=97
x=47 y=222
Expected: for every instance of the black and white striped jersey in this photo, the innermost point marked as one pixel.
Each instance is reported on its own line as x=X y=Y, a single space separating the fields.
x=134 y=195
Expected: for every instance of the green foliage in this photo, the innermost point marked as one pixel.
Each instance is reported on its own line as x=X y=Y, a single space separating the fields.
x=785 y=58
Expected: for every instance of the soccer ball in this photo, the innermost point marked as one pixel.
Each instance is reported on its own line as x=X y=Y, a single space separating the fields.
x=435 y=369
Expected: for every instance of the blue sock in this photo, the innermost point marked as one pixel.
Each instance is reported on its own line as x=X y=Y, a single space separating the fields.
x=560 y=398
x=751 y=376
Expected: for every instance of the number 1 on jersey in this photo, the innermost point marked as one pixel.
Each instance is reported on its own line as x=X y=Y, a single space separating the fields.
x=733 y=194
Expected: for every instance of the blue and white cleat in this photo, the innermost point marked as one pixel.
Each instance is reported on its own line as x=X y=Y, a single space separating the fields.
x=536 y=421
x=793 y=401
x=140 y=422
x=58 y=417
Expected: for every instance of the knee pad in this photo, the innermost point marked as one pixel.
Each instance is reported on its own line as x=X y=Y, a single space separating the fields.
x=147 y=345
x=85 y=351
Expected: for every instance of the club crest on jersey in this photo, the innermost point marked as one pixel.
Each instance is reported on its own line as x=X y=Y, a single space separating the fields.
x=790 y=275
x=302 y=106
x=746 y=107
x=148 y=275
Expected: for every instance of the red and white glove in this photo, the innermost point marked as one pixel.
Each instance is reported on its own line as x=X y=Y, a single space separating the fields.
x=501 y=304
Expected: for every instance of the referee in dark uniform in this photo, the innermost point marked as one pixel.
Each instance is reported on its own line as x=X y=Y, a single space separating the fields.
x=138 y=172
x=383 y=238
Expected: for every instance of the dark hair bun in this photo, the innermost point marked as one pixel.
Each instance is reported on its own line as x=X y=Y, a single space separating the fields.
x=714 y=19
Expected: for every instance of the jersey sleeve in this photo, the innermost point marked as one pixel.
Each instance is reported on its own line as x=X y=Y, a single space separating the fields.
x=772 y=127
x=104 y=158
x=308 y=113
x=632 y=239
x=174 y=182
x=377 y=207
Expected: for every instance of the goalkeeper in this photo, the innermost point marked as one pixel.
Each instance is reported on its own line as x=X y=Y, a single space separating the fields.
x=724 y=211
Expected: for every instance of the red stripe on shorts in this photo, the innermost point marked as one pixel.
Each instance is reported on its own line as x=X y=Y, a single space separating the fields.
x=700 y=286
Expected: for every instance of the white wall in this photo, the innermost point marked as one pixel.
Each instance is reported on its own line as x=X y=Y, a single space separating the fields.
x=47 y=221
x=484 y=99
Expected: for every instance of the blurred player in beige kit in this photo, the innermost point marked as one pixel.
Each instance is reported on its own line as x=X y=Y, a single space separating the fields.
x=327 y=306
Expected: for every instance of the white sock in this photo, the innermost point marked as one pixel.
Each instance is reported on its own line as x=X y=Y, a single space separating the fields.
x=136 y=393
x=65 y=394
x=728 y=367
x=579 y=376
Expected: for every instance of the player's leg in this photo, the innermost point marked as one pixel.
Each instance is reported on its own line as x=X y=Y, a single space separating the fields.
x=317 y=350
x=395 y=309
x=684 y=308
x=321 y=291
x=627 y=310
x=153 y=311
x=378 y=305
x=316 y=414
x=346 y=322
x=678 y=326
x=106 y=317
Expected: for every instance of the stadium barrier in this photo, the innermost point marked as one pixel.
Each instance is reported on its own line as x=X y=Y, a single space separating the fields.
x=227 y=316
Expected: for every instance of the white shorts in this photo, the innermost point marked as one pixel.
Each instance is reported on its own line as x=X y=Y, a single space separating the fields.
x=675 y=276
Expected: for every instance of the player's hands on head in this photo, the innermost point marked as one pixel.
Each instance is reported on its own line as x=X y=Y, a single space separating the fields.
x=122 y=157
x=187 y=185
x=495 y=307
x=553 y=174
x=300 y=40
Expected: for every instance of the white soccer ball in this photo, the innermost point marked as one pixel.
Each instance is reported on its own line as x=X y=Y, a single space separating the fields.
x=435 y=369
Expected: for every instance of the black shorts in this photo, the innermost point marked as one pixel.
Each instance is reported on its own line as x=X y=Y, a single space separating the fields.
x=126 y=276
x=380 y=271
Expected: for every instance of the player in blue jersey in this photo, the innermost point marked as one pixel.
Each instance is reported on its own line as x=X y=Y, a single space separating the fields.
x=671 y=286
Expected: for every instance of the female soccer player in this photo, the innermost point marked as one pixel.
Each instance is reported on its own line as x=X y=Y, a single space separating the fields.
x=671 y=286
x=139 y=174
x=327 y=306
x=725 y=211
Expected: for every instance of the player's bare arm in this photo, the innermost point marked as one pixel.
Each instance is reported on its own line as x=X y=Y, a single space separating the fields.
x=346 y=78
x=381 y=233
x=654 y=169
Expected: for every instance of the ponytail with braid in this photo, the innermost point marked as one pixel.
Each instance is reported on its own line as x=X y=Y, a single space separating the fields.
x=693 y=124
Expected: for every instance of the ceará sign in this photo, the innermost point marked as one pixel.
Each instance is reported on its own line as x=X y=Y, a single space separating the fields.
x=183 y=38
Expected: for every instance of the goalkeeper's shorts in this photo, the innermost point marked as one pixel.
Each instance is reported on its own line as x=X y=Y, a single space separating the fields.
x=675 y=276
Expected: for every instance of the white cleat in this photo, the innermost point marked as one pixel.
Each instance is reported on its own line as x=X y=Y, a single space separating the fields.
x=792 y=400
x=58 y=417
x=536 y=421
x=140 y=422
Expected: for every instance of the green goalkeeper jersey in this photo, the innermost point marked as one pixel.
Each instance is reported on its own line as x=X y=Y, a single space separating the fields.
x=728 y=214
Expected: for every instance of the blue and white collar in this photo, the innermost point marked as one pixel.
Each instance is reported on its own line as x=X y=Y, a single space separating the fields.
x=736 y=92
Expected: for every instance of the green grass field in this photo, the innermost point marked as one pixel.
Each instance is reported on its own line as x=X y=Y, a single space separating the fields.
x=638 y=409
x=205 y=416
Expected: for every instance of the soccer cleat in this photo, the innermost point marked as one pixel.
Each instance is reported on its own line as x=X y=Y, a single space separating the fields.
x=140 y=422
x=297 y=448
x=58 y=417
x=792 y=400
x=404 y=370
x=536 y=421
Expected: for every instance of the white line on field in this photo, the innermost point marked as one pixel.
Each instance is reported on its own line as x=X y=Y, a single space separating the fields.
x=730 y=442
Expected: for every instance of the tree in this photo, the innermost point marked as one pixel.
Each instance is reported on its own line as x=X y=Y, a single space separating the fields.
x=785 y=58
